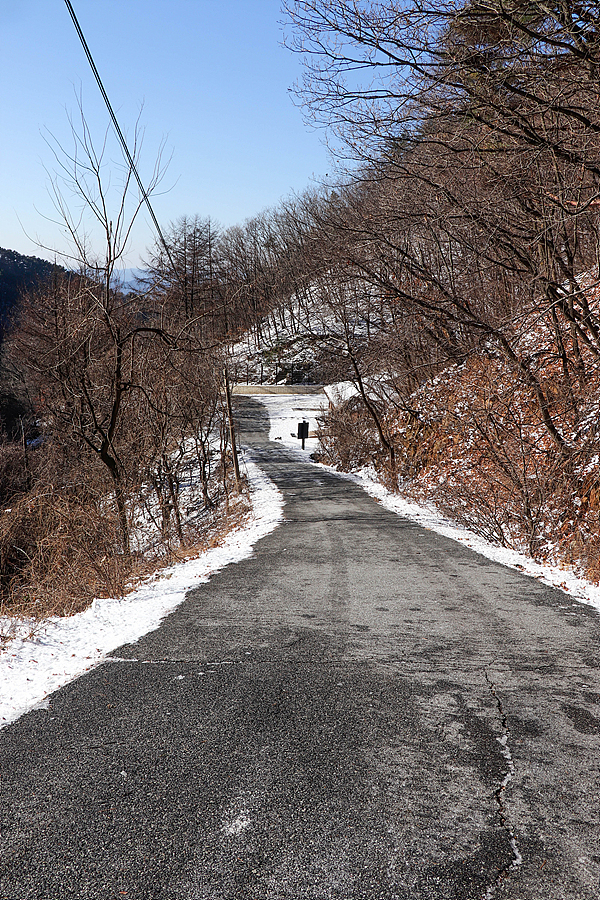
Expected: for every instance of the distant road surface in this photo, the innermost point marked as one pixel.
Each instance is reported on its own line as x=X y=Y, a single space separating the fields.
x=363 y=709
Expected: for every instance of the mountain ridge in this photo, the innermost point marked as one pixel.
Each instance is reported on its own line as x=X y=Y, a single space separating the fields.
x=19 y=273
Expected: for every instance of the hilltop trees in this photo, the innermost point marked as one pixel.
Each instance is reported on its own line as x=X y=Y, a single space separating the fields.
x=183 y=278
x=478 y=132
x=18 y=274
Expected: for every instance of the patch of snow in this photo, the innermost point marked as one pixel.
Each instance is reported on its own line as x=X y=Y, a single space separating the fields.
x=286 y=411
x=41 y=658
x=340 y=392
x=237 y=825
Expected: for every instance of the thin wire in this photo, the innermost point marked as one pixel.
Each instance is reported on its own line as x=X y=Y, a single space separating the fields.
x=117 y=128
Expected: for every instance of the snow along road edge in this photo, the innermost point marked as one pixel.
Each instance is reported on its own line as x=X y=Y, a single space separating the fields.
x=284 y=413
x=41 y=658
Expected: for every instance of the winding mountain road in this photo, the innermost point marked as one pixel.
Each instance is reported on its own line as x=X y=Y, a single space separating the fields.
x=363 y=709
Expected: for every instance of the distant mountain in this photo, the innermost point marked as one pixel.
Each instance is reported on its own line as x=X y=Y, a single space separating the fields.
x=131 y=278
x=20 y=273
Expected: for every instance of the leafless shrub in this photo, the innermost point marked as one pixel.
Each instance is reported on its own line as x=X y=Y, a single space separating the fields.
x=15 y=471
x=349 y=439
x=57 y=552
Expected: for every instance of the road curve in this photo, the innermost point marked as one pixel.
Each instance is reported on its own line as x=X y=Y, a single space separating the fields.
x=363 y=709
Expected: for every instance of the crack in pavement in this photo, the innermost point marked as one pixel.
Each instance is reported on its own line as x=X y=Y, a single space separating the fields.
x=499 y=793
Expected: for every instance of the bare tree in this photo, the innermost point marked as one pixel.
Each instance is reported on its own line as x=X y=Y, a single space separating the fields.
x=478 y=124
x=184 y=277
x=79 y=339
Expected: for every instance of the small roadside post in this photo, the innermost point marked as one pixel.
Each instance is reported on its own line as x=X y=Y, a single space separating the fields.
x=236 y=465
x=302 y=432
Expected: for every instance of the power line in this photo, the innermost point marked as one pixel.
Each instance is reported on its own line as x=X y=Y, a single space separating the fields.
x=119 y=133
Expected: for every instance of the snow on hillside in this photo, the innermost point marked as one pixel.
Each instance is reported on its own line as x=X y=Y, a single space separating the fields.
x=283 y=347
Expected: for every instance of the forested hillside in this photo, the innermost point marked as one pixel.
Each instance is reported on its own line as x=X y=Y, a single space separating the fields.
x=19 y=274
x=452 y=274
x=461 y=268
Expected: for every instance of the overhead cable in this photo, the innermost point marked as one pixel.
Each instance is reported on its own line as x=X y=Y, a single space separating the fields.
x=119 y=133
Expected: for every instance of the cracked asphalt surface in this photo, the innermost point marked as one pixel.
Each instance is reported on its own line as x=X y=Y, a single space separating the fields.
x=363 y=709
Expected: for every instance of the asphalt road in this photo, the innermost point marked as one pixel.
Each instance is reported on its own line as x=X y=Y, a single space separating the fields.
x=363 y=709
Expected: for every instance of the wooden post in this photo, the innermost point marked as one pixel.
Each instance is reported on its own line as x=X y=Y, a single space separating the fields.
x=236 y=465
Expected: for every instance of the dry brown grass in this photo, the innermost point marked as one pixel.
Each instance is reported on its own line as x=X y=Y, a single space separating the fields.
x=58 y=552
x=475 y=445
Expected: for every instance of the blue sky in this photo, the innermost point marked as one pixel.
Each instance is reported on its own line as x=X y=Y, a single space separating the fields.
x=212 y=82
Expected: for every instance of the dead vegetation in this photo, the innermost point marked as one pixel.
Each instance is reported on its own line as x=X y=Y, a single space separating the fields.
x=473 y=442
x=60 y=543
x=57 y=553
